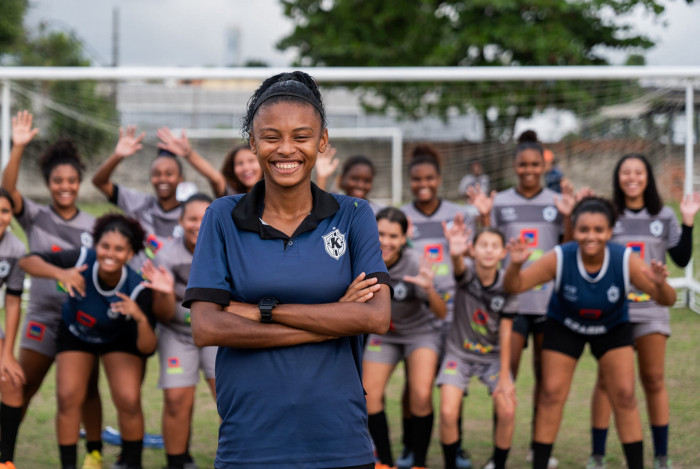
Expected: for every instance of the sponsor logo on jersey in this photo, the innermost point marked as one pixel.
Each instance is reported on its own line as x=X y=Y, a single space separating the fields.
x=400 y=291
x=4 y=268
x=585 y=329
x=174 y=367
x=477 y=347
x=375 y=345
x=637 y=248
x=638 y=297
x=450 y=368
x=153 y=244
x=35 y=331
x=497 y=303
x=656 y=228
x=434 y=252
x=479 y=321
x=570 y=293
x=335 y=244
x=509 y=214
x=590 y=313
x=84 y=319
x=529 y=236
x=613 y=294
x=86 y=239
x=549 y=213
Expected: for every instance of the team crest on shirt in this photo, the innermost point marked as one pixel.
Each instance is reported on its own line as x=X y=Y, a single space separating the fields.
x=497 y=303
x=178 y=231
x=570 y=293
x=335 y=244
x=4 y=268
x=613 y=293
x=549 y=213
x=656 y=228
x=86 y=239
x=400 y=291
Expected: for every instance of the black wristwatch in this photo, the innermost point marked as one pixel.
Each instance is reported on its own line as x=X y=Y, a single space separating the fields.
x=266 y=305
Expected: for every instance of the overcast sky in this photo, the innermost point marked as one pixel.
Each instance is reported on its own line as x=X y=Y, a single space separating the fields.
x=194 y=33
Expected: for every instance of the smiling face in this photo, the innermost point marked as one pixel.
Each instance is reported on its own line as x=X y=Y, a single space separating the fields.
x=391 y=240
x=5 y=214
x=286 y=138
x=191 y=220
x=632 y=178
x=357 y=182
x=489 y=250
x=529 y=166
x=63 y=184
x=246 y=168
x=113 y=251
x=592 y=231
x=165 y=177
x=425 y=181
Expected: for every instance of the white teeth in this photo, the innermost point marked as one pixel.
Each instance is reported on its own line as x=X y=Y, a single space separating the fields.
x=290 y=165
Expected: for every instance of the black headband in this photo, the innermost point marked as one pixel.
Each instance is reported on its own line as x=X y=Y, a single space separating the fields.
x=289 y=88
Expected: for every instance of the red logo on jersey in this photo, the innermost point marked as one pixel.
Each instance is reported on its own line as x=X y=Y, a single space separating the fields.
x=590 y=313
x=85 y=319
x=637 y=248
x=480 y=317
x=35 y=331
x=433 y=252
x=55 y=248
x=529 y=236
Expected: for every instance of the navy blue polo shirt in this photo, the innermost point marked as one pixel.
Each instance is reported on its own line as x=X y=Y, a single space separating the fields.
x=301 y=406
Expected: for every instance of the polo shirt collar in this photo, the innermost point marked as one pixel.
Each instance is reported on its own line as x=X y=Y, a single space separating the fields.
x=248 y=211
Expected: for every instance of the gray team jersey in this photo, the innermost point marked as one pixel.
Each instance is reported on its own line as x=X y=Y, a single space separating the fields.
x=11 y=251
x=177 y=259
x=47 y=231
x=429 y=240
x=650 y=237
x=410 y=314
x=159 y=225
x=478 y=309
x=539 y=223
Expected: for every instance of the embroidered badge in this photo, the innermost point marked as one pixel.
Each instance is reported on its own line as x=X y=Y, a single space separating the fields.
x=4 y=268
x=497 y=303
x=656 y=228
x=549 y=213
x=400 y=291
x=86 y=239
x=613 y=293
x=335 y=244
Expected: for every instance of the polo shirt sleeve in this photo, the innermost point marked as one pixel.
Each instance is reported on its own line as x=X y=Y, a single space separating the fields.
x=210 y=278
x=364 y=246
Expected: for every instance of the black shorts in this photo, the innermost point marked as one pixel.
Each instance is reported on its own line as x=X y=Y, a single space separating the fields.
x=68 y=342
x=560 y=338
x=526 y=324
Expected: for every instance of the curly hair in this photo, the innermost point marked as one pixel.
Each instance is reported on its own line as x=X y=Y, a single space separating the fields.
x=61 y=152
x=116 y=222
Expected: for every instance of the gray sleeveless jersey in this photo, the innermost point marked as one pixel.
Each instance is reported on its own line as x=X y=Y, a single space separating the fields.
x=539 y=223
x=649 y=237
x=47 y=231
x=429 y=241
x=410 y=314
x=11 y=251
x=478 y=309
x=177 y=259
x=159 y=225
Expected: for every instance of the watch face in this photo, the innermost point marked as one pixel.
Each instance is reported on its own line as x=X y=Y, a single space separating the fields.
x=268 y=302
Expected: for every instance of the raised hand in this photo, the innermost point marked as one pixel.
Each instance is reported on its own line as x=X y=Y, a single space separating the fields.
x=157 y=278
x=73 y=281
x=22 y=132
x=689 y=207
x=657 y=272
x=481 y=201
x=425 y=276
x=584 y=193
x=360 y=290
x=567 y=200
x=519 y=251
x=326 y=163
x=128 y=308
x=128 y=143
x=457 y=235
x=168 y=141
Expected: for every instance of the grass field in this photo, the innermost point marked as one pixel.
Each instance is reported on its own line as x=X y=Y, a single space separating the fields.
x=37 y=446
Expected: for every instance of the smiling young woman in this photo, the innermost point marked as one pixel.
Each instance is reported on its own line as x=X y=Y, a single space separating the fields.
x=286 y=279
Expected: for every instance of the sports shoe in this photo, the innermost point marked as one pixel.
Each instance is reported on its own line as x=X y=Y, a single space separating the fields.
x=489 y=464
x=378 y=465
x=7 y=465
x=662 y=462
x=111 y=436
x=93 y=460
x=405 y=461
x=552 y=464
x=596 y=461
x=464 y=459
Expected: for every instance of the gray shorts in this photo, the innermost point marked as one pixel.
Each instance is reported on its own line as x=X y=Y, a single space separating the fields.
x=640 y=329
x=458 y=372
x=181 y=360
x=380 y=349
x=39 y=334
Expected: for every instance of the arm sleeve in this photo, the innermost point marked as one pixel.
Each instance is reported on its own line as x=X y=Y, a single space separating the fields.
x=29 y=211
x=15 y=280
x=210 y=279
x=63 y=259
x=115 y=194
x=364 y=246
x=681 y=252
x=145 y=302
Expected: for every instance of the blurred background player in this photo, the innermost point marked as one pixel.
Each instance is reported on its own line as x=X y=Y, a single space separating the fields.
x=355 y=179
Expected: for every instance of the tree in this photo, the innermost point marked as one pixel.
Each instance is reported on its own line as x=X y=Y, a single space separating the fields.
x=11 y=28
x=463 y=33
